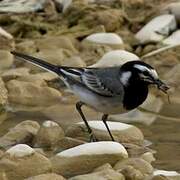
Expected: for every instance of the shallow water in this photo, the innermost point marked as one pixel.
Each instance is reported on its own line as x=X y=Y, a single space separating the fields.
x=164 y=134
x=165 y=138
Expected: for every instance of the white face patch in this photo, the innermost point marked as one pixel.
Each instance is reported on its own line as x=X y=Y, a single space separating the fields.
x=125 y=76
x=142 y=68
x=154 y=74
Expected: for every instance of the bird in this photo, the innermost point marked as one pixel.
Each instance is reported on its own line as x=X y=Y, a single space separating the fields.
x=109 y=90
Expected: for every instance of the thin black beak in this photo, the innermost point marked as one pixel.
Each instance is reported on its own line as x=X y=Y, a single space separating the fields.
x=161 y=85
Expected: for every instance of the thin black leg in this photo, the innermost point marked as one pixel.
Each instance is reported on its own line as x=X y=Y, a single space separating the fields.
x=78 y=107
x=104 y=119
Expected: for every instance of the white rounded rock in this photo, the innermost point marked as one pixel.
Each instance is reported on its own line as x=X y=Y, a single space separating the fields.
x=95 y=148
x=20 y=150
x=121 y=132
x=86 y=157
x=21 y=161
x=113 y=126
x=157 y=29
x=115 y=58
x=105 y=38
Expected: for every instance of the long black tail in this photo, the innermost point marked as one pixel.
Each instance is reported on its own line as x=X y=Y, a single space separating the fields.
x=37 y=62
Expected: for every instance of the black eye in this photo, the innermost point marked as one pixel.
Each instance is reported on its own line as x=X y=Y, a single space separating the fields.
x=146 y=73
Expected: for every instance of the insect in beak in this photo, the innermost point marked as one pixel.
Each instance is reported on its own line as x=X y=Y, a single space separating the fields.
x=163 y=87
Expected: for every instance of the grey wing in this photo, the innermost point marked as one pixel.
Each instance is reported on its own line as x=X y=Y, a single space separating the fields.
x=103 y=81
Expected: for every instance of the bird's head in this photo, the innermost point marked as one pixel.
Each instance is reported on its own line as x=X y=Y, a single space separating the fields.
x=142 y=72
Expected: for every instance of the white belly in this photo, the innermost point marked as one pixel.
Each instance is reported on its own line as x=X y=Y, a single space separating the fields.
x=106 y=105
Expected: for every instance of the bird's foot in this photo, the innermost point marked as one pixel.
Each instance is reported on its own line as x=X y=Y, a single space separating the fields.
x=93 y=138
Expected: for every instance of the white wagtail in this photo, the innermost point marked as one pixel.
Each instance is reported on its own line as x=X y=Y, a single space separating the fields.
x=110 y=90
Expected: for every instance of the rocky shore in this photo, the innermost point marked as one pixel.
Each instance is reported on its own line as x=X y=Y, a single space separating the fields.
x=95 y=33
